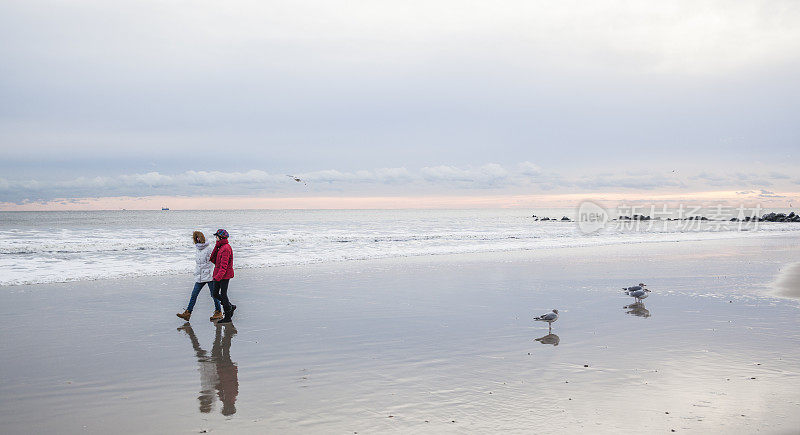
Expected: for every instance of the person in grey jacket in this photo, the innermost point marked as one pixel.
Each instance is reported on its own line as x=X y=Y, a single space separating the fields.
x=203 y=274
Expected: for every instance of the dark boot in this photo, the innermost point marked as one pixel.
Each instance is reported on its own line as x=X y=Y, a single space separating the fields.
x=228 y=315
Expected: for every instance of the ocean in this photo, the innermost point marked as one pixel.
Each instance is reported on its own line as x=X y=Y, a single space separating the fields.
x=47 y=247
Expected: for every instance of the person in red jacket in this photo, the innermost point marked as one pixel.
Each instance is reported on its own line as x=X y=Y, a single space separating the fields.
x=222 y=257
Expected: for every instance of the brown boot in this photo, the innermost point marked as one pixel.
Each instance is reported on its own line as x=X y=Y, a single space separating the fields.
x=217 y=315
x=185 y=315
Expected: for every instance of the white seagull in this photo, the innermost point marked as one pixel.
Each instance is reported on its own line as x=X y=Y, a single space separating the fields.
x=641 y=286
x=549 y=318
x=639 y=294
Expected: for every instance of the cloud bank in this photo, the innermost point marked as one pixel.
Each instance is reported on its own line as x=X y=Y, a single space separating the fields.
x=490 y=178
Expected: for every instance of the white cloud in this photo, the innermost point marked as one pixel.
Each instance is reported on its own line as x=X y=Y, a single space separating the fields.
x=769 y=194
x=524 y=177
x=736 y=179
x=530 y=169
x=487 y=175
x=641 y=182
x=394 y=175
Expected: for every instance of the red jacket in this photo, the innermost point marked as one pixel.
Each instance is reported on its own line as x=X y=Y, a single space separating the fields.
x=222 y=257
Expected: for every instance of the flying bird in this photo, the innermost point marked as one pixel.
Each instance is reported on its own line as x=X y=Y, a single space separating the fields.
x=297 y=179
x=548 y=317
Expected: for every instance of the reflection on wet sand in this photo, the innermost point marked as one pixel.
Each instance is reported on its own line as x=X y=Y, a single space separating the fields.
x=788 y=281
x=217 y=371
x=549 y=339
x=637 y=309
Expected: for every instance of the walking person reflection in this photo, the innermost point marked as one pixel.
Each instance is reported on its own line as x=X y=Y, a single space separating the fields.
x=227 y=371
x=217 y=371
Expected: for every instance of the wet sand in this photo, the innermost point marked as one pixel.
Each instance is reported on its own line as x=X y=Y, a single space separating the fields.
x=788 y=282
x=430 y=345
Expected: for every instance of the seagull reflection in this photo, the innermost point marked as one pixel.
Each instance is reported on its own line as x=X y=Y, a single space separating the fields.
x=637 y=309
x=549 y=339
x=217 y=371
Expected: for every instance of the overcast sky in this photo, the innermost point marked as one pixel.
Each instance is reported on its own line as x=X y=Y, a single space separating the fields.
x=360 y=98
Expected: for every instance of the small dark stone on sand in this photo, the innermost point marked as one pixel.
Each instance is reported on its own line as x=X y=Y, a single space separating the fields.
x=672 y=430
x=453 y=421
x=570 y=398
x=752 y=378
x=566 y=382
x=586 y=365
x=391 y=416
x=666 y=412
x=758 y=364
x=529 y=353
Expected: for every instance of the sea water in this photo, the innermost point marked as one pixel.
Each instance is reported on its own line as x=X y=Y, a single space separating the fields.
x=43 y=247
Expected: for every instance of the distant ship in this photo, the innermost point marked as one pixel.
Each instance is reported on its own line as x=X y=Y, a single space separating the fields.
x=164 y=208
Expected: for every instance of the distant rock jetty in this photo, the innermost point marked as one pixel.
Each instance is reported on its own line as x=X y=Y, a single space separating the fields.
x=563 y=219
x=636 y=217
x=771 y=217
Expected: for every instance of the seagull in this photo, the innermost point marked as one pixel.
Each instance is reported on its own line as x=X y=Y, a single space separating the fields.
x=641 y=293
x=297 y=179
x=641 y=286
x=549 y=318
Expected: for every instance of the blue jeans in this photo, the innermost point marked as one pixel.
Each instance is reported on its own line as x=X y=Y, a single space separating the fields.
x=196 y=291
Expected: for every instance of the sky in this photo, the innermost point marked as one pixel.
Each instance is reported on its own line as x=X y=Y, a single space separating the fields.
x=130 y=104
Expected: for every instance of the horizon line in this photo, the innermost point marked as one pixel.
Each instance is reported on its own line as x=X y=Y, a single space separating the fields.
x=443 y=202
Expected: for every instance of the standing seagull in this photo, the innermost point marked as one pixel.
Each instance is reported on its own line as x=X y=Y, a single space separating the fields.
x=641 y=286
x=549 y=318
x=639 y=294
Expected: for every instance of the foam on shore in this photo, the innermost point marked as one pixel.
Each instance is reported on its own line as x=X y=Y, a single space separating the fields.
x=86 y=247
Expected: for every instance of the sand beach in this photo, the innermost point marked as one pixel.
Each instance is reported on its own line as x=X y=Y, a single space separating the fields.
x=439 y=344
